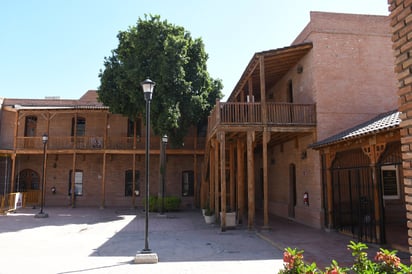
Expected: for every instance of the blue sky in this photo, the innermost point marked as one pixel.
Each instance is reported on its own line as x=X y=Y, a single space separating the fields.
x=57 y=47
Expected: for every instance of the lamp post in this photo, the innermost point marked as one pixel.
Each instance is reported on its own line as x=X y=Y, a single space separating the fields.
x=42 y=214
x=163 y=171
x=146 y=255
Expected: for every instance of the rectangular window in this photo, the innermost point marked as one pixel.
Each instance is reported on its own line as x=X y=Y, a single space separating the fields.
x=31 y=125
x=187 y=183
x=79 y=125
x=128 y=183
x=130 y=128
x=78 y=182
x=390 y=182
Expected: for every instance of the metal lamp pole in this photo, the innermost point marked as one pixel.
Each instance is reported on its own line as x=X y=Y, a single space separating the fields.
x=42 y=214
x=147 y=86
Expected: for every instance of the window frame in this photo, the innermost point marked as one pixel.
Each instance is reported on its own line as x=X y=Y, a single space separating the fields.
x=188 y=191
x=393 y=169
x=129 y=183
x=78 y=185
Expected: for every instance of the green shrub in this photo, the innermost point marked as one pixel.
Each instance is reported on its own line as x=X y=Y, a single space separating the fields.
x=385 y=262
x=171 y=203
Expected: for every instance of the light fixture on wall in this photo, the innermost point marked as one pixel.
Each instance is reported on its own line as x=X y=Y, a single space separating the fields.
x=303 y=155
x=299 y=69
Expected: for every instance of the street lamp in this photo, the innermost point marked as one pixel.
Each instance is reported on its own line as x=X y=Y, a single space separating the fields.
x=146 y=255
x=42 y=214
x=163 y=171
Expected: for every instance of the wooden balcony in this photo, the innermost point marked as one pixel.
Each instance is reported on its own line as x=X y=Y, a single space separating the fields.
x=252 y=114
x=98 y=143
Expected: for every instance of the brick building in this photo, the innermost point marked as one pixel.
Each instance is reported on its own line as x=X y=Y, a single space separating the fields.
x=258 y=153
x=106 y=151
x=336 y=74
x=401 y=23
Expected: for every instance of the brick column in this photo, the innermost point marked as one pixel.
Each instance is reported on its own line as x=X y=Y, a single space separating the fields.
x=401 y=23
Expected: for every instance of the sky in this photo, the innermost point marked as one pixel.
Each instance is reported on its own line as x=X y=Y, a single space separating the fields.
x=57 y=47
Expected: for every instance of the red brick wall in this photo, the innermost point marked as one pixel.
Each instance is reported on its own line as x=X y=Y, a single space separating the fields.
x=401 y=23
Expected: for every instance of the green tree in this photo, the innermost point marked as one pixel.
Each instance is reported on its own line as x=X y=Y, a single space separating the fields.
x=184 y=93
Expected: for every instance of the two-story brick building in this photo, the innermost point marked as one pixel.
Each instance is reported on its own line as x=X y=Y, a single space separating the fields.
x=91 y=152
x=258 y=153
x=336 y=74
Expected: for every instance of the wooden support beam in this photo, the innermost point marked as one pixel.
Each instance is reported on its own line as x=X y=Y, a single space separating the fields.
x=251 y=179
x=222 y=179
x=240 y=179
x=263 y=88
x=266 y=139
x=133 y=178
x=103 y=199
x=73 y=181
x=232 y=172
x=212 y=176
x=328 y=164
x=216 y=175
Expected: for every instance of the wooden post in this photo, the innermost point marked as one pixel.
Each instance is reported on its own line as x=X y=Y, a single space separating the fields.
x=133 y=179
x=250 y=179
x=232 y=177
x=216 y=175
x=73 y=180
x=222 y=179
x=266 y=138
x=373 y=153
x=212 y=176
x=263 y=89
x=240 y=179
x=103 y=202
x=13 y=170
x=329 y=189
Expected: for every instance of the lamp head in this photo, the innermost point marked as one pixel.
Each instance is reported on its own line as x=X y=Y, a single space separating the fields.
x=164 y=139
x=148 y=86
x=45 y=138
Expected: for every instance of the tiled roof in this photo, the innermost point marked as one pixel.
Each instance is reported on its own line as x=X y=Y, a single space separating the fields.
x=382 y=122
x=87 y=101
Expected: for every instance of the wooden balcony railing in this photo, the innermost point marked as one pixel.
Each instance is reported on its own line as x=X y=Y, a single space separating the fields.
x=281 y=114
x=99 y=143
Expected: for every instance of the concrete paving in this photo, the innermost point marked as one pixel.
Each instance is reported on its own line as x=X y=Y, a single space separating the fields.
x=106 y=241
x=89 y=240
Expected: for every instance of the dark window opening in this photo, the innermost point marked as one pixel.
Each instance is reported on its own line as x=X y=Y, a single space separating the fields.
x=79 y=126
x=188 y=183
x=128 y=183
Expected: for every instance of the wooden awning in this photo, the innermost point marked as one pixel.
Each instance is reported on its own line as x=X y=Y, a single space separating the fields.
x=277 y=63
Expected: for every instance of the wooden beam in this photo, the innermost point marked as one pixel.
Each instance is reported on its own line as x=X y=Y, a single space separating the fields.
x=103 y=199
x=328 y=164
x=240 y=179
x=250 y=179
x=216 y=175
x=232 y=175
x=73 y=197
x=222 y=180
x=212 y=161
x=266 y=139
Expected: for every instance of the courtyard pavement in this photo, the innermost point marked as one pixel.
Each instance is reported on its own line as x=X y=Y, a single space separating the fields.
x=90 y=240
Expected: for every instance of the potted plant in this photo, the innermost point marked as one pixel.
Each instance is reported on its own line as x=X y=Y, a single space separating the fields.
x=209 y=216
x=230 y=218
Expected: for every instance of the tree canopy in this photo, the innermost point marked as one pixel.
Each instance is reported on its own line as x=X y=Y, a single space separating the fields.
x=184 y=93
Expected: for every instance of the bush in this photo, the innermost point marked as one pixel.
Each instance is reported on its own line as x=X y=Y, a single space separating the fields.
x=171 y=203
x=385 y=262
